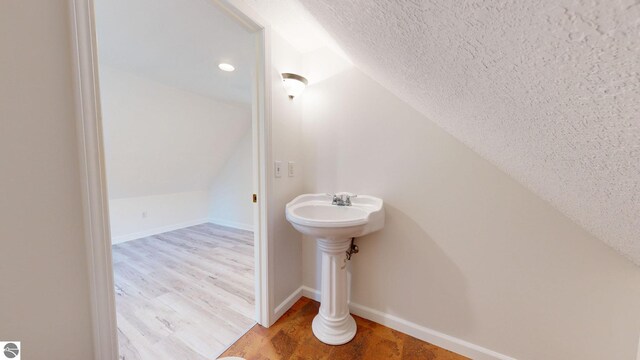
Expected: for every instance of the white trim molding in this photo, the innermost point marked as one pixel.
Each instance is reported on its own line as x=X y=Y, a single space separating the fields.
x=94 y=190
x=262 y=156
x=445 y=341
x=155 y=231
x=231 y=224
x=287 y=303
x=310 y=293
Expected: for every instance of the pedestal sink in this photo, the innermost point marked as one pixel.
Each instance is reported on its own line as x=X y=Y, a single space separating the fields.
x=333 y=227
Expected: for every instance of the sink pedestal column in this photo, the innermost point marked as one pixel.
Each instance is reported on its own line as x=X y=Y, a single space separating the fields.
x=334 y=325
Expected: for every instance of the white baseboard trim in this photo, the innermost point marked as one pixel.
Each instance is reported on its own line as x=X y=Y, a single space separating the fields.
x=232 y=224
x=287 y=304
x=423 y=333
x=155 y=231
x=311 y=293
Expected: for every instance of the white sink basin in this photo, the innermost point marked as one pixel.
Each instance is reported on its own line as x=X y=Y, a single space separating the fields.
x=334 y=226
x=313 y=215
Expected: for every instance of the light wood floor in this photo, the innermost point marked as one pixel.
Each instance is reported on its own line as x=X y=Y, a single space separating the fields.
x=185 y=294
x=291 y=338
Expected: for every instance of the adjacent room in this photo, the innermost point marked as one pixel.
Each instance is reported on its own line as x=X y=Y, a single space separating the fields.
x=176 y=82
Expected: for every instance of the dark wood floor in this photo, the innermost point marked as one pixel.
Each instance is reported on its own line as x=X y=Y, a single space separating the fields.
x=291 y=338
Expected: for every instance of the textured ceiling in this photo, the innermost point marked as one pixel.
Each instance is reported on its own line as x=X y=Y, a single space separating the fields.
x=549 y=91
x=179 y=43
x=291 y=20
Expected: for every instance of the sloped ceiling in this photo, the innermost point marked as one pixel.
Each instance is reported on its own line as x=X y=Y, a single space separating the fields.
x=549 y=91
x=162 y=140
x=171 y=117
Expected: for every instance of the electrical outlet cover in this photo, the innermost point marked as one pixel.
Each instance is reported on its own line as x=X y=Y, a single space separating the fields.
x=291 y=168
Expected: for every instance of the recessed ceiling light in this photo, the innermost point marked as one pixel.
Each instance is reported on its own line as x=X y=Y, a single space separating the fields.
x=226 y=67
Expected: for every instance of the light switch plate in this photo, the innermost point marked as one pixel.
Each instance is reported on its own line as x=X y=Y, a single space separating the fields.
x=277 y=169
x=291 y=168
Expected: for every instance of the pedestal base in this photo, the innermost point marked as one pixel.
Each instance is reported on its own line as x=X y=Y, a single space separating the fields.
x=334 y=332
x=334 y=325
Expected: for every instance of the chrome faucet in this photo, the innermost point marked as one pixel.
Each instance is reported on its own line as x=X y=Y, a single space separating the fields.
x=342 y=199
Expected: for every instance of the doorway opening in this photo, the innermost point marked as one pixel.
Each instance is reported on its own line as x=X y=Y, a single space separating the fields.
x=184 y=146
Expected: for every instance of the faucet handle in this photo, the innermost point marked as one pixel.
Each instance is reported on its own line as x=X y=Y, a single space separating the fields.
x=341 y=199
x=349 y=197
x=334 y=198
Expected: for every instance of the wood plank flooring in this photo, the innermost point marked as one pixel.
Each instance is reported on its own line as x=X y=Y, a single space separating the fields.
x=185 y=294
x=291 y=338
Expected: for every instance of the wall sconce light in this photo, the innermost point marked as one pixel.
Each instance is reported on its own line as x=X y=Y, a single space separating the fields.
x=294 y=84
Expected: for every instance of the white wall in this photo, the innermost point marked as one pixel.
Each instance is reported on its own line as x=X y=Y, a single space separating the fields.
x=286 y=132
x=163 y=140
x=137 y=217
x=230 y=194
x=466 y=250
x=44 y=301
x=164 y=147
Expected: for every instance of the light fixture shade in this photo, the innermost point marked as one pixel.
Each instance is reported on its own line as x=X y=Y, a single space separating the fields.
x=294 y=84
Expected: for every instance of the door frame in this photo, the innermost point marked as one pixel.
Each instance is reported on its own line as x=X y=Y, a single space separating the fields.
x=93 y=178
